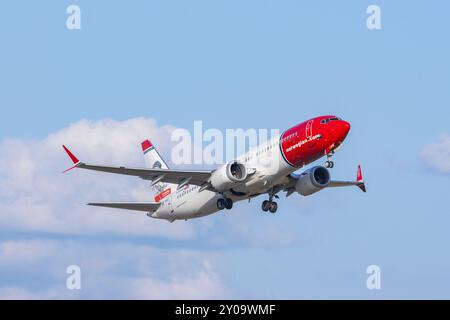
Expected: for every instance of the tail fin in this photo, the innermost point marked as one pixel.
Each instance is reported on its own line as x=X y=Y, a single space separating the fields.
x=152 y=157
x=154 y=160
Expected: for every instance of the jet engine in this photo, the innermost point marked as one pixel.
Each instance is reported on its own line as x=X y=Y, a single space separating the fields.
x=228 y=176
x=312 y=180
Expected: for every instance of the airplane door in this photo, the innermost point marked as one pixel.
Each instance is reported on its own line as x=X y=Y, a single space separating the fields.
x=309 y=134
x=308 y=130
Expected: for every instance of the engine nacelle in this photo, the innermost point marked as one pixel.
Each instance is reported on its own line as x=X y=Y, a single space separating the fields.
x=228 y=176
x=312 y=180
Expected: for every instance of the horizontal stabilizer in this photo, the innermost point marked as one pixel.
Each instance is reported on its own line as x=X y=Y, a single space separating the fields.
x=138 y=206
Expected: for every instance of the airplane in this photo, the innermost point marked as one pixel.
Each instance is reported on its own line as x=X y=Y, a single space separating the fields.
x=268 y=168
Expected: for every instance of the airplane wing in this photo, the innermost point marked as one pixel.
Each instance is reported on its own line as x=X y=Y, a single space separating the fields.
x=137 y=206
x=359 y=182
x=334 y=183
x=195 y=177
x=289 y=187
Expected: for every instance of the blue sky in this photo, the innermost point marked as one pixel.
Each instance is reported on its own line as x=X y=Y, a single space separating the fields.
x=231 y=64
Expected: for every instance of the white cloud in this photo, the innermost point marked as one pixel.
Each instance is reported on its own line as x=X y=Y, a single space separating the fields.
x=437 y=155
x=23 y=252
x=116 y=271
x=18 y=293
x=35 y=196
x=205 y=284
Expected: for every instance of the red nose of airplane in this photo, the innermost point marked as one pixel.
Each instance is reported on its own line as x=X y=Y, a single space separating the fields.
x=344 y=128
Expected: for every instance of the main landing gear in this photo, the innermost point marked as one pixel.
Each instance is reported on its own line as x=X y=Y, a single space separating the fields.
x=224 y=203
x=269 y=205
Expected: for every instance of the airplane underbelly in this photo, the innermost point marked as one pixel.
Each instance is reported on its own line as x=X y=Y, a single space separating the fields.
x=264 y=179
x=197 y=204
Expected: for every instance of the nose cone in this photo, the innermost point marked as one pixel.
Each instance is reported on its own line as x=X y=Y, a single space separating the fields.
x=344 y=128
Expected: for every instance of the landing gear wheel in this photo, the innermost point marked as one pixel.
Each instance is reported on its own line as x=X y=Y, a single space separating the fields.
x=265 y=206
x=329 y=164
x=221 y=204
x=273 y=207
x=228 y=203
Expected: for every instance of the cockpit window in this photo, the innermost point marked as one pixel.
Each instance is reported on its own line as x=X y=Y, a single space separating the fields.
x=330 y=119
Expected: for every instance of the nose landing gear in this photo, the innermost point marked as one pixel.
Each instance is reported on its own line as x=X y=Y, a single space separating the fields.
x=329 y=164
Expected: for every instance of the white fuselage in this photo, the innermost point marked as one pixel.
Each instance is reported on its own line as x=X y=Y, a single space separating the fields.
x=269 y=169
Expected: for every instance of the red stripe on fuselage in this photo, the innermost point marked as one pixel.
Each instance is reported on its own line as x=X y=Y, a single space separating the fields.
x=162 y=195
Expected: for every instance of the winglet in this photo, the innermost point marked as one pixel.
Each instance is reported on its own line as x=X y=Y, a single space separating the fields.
x=360 y=180
x=73 y=158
